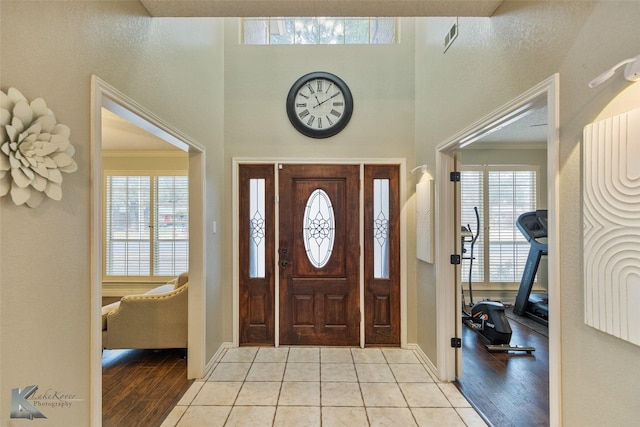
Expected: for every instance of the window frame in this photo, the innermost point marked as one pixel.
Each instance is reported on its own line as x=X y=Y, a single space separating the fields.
x=485 y=223
x=270 y=19
x=151 y=173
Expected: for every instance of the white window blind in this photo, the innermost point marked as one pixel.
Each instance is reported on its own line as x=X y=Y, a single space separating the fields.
x=501 y=194
x=171 y=231
x=146 y=225
x=472 y=186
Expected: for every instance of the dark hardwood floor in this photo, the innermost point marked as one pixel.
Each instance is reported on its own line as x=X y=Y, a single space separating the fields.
x=141 y=387
x=509 y=389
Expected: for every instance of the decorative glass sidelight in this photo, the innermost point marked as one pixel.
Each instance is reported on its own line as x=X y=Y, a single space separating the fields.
x=319 y=228
x=381 y=228
x=257 y=228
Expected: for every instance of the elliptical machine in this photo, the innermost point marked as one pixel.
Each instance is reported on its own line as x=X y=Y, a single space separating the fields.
x=487 y=318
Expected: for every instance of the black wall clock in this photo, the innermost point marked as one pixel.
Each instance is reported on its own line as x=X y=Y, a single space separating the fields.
x=319 y=104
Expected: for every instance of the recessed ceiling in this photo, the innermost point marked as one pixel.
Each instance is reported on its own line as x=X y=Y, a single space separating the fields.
x=241 y=8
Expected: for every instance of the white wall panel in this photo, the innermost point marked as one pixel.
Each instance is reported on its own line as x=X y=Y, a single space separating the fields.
x=612 y=225
x=424 y=220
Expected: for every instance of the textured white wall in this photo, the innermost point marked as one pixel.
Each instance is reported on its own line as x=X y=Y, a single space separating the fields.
x=492 y=61
x=173 y=67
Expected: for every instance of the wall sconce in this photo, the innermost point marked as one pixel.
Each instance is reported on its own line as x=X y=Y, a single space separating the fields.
x=631 y=72
x=423 y=169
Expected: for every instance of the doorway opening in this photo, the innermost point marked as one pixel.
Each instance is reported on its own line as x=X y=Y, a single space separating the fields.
x=108 y=101
x=448 y=230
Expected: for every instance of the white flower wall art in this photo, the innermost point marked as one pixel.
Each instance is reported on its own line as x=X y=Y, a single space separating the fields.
x=34 y=150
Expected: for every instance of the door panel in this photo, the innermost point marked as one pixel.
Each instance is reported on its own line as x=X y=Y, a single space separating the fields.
x=382 y=229
x=319 y=301
x=256 y=227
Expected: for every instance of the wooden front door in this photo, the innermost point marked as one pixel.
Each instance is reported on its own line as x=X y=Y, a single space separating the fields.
x=319 y=253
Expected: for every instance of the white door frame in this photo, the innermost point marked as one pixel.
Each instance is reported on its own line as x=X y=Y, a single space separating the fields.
x=106 y=96
x=237 y=161
x=445 y=231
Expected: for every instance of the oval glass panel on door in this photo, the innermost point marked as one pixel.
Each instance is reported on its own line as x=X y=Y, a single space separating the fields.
x=319 y=228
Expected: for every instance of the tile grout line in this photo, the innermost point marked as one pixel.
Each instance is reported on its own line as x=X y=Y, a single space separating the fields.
x=288 y=362
x=403 y=395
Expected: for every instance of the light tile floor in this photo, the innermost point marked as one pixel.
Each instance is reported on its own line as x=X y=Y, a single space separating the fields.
x=321 y=386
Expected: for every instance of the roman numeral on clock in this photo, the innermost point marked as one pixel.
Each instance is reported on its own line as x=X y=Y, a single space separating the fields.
x=304 y=114
x=336 y=113
x=310 y=121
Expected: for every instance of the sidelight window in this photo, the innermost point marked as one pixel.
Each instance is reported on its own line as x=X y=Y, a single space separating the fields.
x=381 y=228
x=257 y=228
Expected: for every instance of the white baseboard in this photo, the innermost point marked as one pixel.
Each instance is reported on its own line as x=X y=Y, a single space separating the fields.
x=502 y=296
x=433 y=370
x=216 y=358
x=506 y=297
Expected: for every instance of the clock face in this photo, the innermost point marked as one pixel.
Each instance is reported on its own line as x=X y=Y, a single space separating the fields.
x=319 y=104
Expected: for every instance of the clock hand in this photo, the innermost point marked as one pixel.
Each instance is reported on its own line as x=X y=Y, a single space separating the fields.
x=331 y=97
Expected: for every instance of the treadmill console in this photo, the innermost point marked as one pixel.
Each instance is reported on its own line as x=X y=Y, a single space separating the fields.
x=533 y=225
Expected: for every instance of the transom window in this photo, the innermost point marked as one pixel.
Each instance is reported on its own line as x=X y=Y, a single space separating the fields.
x=501 y=194
x=317 y=30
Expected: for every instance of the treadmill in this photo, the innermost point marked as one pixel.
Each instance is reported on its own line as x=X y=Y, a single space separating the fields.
x=533 y=226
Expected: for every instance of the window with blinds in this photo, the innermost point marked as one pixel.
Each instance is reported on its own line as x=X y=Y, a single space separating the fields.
x=501 y=194
x=146 y=225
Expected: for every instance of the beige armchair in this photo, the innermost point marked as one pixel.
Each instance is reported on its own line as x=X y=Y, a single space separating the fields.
x=154 y=320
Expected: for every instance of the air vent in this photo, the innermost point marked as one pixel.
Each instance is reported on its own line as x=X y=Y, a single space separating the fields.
x=451 y=35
